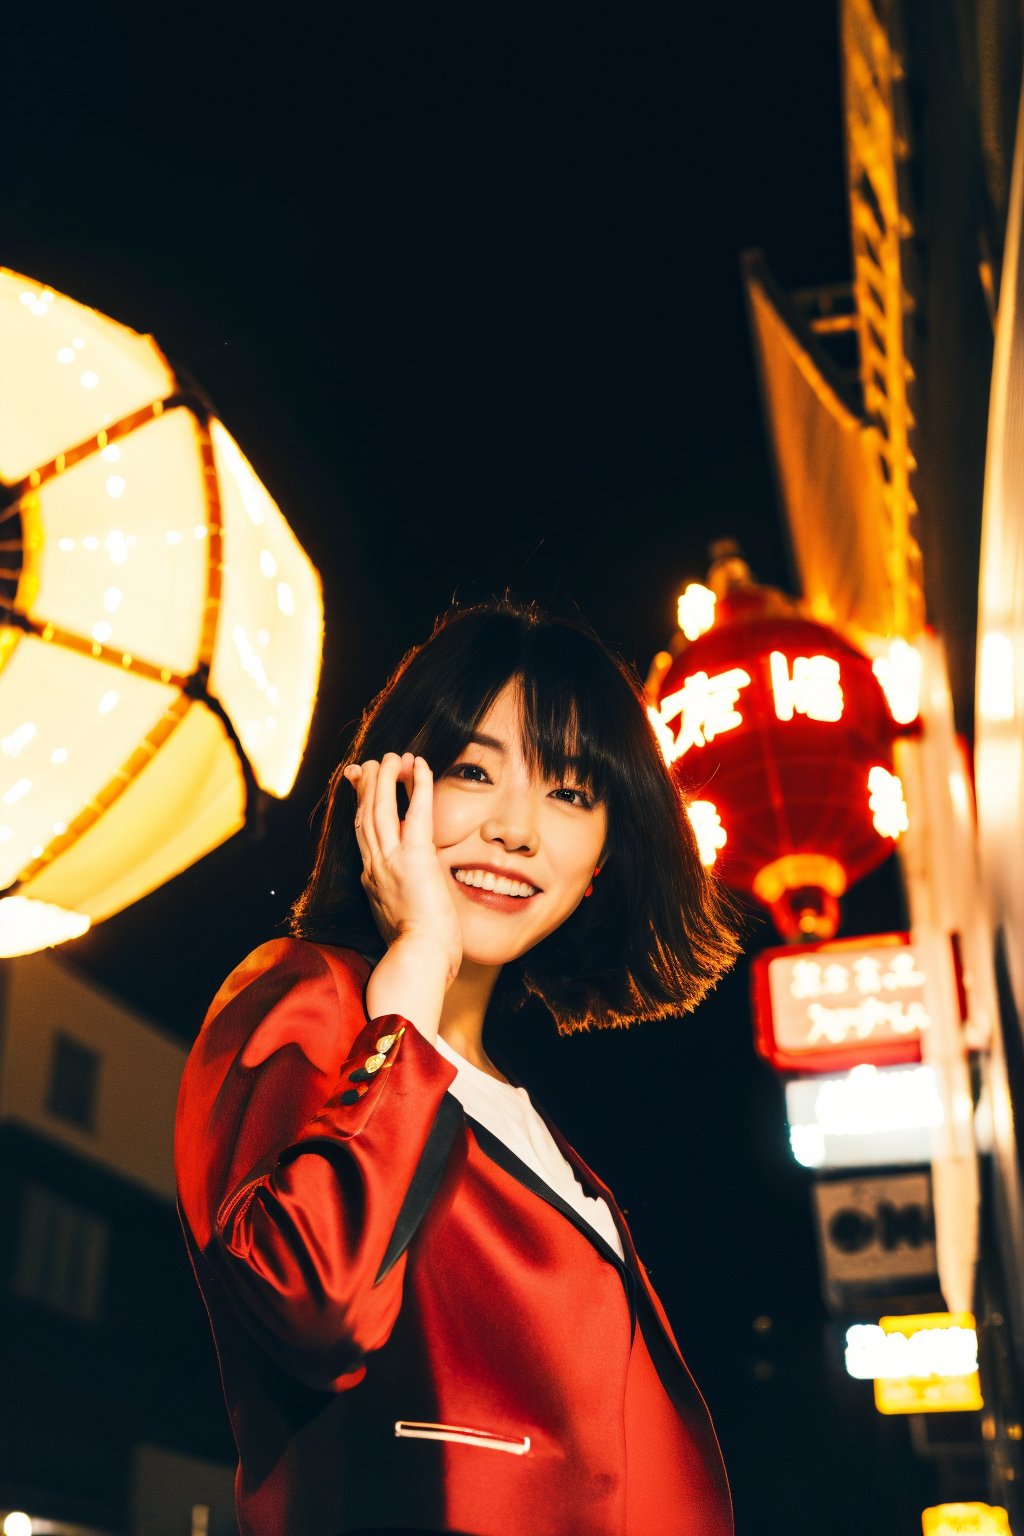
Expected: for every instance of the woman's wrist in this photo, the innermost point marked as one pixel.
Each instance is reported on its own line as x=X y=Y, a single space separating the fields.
x=411 y=980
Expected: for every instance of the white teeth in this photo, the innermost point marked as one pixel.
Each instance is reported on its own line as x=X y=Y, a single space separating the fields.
x=485 y=880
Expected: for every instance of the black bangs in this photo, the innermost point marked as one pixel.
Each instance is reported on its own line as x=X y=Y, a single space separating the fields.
x=565 y=686
x=564 y=711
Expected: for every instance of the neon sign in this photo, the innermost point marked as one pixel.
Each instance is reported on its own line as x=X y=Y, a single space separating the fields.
x=841 y=1005
x=930 y=1364
x=928 y=1345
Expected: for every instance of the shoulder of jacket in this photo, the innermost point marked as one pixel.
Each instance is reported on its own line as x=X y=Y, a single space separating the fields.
x=290 y=991
x=281 y=964
x=292 y=959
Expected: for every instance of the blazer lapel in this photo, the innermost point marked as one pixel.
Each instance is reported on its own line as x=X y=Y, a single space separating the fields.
x=592 y=1184
x=507 y=1160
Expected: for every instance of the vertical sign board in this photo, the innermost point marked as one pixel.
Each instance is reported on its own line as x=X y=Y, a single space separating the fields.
x=875 y=1235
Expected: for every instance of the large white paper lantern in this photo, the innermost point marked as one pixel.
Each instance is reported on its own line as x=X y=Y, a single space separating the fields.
x=161 y=627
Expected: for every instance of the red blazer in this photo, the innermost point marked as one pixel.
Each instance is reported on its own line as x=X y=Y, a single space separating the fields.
x=413 y=1330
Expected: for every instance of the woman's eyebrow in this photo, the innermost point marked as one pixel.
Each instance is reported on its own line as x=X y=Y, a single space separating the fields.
x=480 y=740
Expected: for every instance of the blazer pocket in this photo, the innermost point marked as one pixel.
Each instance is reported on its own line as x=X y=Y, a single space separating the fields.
x=458 y=1434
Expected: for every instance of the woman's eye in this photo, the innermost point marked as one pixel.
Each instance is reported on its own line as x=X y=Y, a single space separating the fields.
x=469 y=772
x=581 y=796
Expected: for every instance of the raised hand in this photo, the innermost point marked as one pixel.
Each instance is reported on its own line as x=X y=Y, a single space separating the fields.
x=404 y=883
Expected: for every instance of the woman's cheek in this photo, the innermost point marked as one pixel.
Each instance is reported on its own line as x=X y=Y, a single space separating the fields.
x=452 y=821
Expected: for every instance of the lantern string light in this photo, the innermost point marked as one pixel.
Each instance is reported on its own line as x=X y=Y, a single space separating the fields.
x=695 y=610
x=899 y=673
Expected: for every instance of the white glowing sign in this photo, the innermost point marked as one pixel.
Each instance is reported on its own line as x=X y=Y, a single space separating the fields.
x=812 y=688
x=867 y=1117
x=872 y=1354
x=846 y=996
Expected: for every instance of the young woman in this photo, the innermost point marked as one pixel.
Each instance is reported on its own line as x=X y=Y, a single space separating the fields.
x=428 y=1311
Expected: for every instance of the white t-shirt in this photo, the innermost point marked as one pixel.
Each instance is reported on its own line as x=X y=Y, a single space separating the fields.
x=508 y=1114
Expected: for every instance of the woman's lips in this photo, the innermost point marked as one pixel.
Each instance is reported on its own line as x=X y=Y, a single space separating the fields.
x=494 y=899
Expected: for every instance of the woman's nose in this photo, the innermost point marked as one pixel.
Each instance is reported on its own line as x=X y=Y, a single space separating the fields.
x=514 y=830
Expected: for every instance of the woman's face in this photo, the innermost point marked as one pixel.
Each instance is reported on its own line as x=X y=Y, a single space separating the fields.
x=494 y=818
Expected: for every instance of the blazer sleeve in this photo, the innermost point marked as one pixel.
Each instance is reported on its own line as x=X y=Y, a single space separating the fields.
x=300 y=1128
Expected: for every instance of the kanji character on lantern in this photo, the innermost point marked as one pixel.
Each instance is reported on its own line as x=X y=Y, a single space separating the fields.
x=707 y=705
x=886 y=802
x=707 y=829
x=812 y=689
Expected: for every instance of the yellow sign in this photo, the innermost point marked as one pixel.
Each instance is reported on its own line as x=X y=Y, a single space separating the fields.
x=966 y=1520
x=937 y=1354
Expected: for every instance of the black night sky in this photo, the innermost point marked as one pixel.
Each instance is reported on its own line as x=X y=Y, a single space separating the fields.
x=465 y=286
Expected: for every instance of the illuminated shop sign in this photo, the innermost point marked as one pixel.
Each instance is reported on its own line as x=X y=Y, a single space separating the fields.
x=876 y=1233
x=819 y=1008
x=868 y=1117
x=966 y=1520
x=927 y=1363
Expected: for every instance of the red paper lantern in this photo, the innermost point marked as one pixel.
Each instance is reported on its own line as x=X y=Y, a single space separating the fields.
x=780 y=733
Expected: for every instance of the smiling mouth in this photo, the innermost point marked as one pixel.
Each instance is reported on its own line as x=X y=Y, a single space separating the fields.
x=488 y=883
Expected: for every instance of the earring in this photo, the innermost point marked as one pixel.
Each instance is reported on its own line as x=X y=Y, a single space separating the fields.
x=590 y=888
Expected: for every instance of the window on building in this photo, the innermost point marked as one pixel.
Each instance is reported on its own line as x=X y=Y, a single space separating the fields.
x=61 y=1256
x=74 y=1073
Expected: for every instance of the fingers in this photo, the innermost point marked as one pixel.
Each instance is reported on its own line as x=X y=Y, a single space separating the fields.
x=419 y=822
x=387 y=826
x=377 y=825
x=362 y=777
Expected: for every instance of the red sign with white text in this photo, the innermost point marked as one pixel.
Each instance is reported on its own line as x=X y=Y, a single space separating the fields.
x=828 y=1007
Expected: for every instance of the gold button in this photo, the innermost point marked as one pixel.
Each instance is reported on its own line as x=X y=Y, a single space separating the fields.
x=374 y=1063
x=387 y=1041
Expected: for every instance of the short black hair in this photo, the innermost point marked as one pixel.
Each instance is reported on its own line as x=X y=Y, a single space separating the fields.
x=658 y=931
